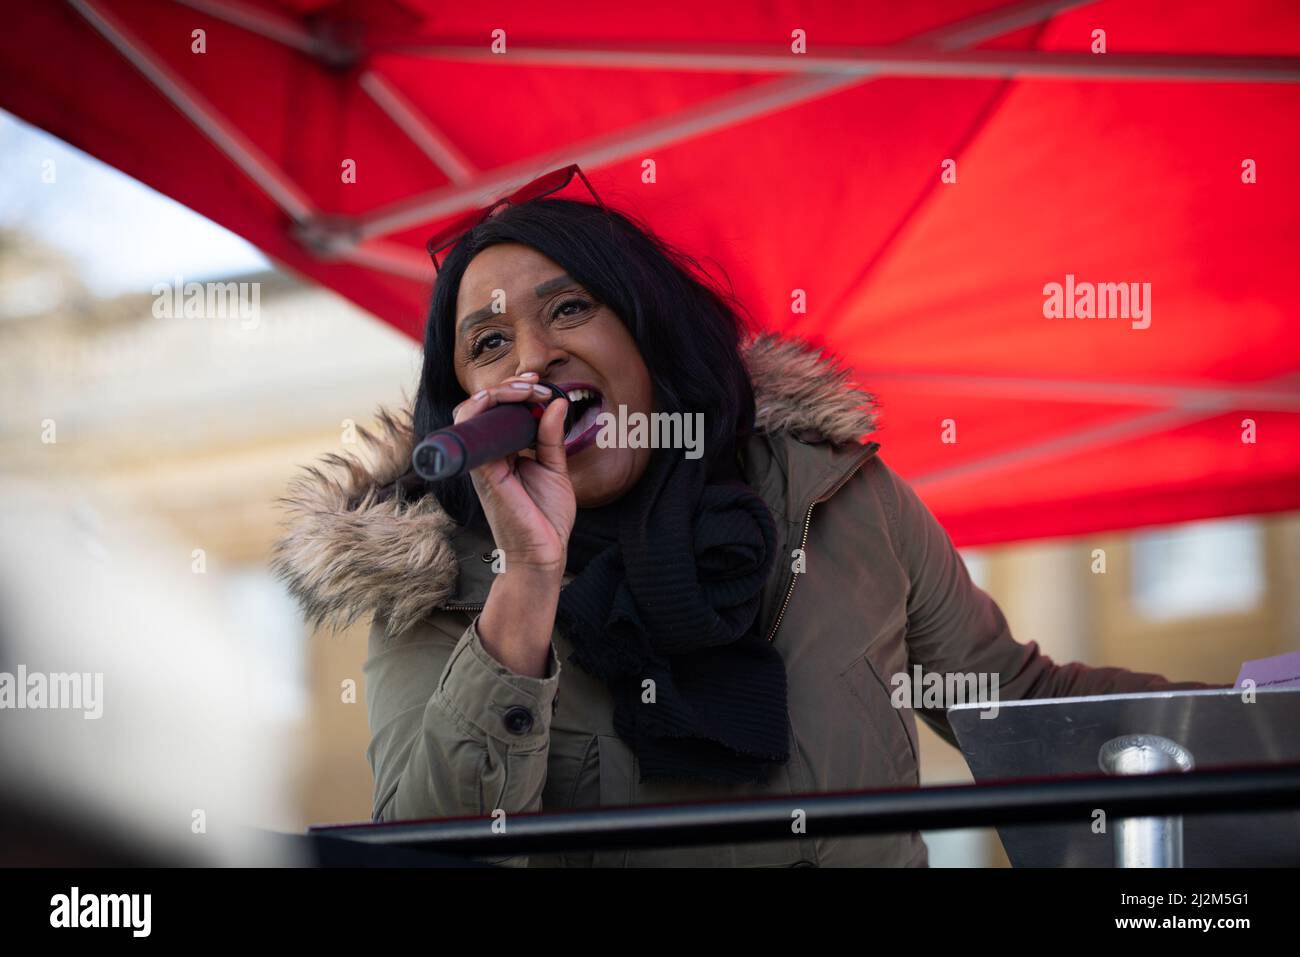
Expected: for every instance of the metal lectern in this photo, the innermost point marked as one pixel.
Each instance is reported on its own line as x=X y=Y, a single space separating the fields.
x=1137 y=734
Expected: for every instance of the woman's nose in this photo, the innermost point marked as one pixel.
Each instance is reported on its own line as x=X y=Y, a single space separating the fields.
x=537 y=352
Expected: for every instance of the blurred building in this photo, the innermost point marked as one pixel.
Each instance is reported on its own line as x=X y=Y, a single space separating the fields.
x=202 y=422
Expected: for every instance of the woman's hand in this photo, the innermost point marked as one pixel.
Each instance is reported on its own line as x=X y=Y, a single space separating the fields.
x=530 y=507
x=529 y=502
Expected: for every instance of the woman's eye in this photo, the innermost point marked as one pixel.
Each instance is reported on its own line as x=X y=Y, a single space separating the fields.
x=481 y=343
x=570 y=307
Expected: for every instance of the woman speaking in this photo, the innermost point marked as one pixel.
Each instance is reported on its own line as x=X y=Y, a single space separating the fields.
x=596 y=622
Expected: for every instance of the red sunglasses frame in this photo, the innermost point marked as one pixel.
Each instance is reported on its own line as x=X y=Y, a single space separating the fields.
x=544 y=185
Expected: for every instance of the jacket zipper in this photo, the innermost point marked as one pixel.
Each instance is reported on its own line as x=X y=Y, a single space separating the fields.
x=473 y=606
x=807 y=522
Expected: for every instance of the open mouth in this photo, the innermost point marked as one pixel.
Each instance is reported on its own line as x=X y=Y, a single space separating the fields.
x=586 y=403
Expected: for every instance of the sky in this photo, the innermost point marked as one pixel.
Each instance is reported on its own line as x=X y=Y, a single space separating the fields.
x=120 y=234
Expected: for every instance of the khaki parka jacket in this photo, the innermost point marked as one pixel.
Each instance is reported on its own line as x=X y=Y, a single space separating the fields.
x=867 y=586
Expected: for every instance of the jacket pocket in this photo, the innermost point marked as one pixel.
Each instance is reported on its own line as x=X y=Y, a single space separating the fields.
x=897 y=761
x=616 y=783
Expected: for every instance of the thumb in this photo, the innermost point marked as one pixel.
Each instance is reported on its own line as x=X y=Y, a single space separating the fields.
x=550 y=437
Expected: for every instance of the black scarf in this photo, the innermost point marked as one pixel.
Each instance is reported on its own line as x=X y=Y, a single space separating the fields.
x=669 y=581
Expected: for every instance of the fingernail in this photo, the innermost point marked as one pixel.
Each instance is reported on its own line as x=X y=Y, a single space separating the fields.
x=528 y=375
x=480 y=393
x=541 y=390
x=522 y=385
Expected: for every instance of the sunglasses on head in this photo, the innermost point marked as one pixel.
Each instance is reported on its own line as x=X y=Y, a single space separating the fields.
x=544 y=185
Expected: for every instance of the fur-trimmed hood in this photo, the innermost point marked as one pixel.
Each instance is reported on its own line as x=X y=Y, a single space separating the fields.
x=344 y=553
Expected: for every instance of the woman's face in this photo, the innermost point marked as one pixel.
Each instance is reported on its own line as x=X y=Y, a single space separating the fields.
x=517 y=311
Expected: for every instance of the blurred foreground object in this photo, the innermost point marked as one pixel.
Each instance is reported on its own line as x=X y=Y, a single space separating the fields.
x=128 y=730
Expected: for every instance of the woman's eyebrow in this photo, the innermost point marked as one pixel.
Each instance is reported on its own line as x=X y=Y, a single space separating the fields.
x=475 y=318
x=485 y=313
x=551 y=285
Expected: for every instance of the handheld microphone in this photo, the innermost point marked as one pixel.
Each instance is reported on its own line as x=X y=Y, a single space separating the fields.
x=494 y=434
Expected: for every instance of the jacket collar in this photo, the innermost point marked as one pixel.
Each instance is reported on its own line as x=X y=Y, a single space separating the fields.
x=343 y=553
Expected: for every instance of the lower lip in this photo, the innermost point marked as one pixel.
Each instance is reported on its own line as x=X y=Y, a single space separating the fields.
x=586 y=439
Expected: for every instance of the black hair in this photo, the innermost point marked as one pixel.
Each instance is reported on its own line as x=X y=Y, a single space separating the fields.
x=689 y=332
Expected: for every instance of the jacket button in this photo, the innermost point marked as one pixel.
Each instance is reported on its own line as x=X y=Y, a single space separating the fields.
x=519 y=720
x=486 y=556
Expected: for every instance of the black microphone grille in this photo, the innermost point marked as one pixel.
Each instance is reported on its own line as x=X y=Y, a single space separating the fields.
x=429 y=461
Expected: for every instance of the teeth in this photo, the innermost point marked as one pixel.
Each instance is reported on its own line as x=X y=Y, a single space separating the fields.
x=588 y=417
x=579 y=395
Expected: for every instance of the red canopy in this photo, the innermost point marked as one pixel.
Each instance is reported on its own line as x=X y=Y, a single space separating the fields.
x=821 y=171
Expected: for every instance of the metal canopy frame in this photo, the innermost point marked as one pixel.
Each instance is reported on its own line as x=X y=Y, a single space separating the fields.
x=940 y=53
x=944 y=52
